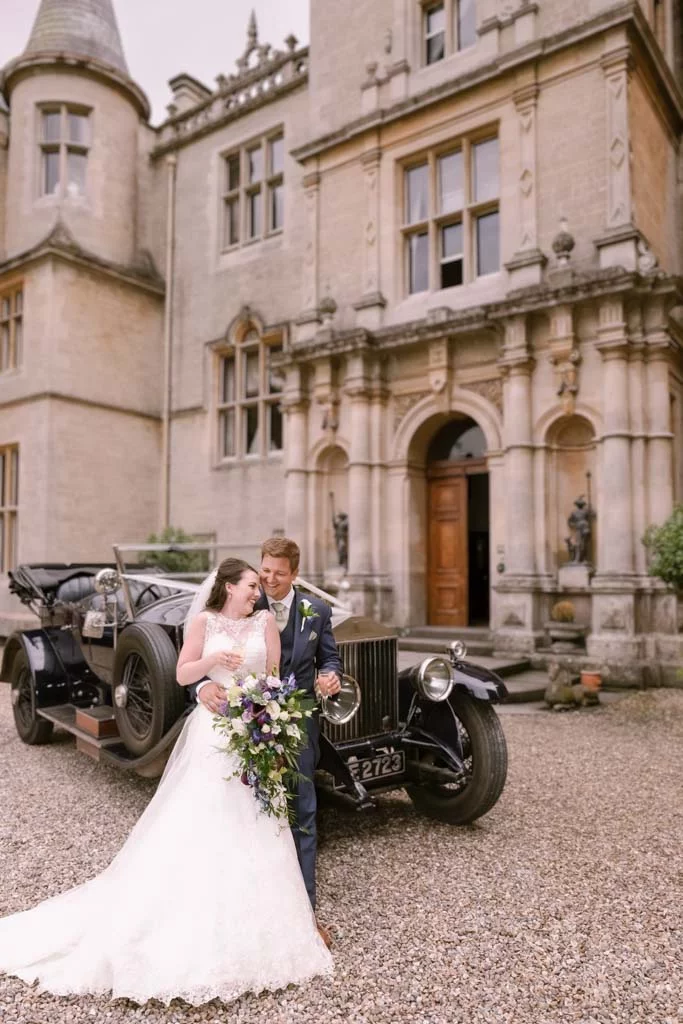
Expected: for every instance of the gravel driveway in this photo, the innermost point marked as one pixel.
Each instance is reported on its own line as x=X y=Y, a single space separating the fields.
x=563 y=904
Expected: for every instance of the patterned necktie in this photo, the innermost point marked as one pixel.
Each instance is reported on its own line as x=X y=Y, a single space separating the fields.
x=280 y=614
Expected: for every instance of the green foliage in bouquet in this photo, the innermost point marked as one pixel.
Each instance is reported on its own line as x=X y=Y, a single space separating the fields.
x=665 y=548
x=176 y=561
x=263 y=720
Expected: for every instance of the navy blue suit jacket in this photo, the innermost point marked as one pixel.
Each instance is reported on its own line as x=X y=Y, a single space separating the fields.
x=314 y=647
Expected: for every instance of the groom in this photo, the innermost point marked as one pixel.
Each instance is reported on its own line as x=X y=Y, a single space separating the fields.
x=308 y=647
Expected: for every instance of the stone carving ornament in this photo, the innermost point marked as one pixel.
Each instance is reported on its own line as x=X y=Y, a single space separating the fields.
x=491 y=390
x=404 y=403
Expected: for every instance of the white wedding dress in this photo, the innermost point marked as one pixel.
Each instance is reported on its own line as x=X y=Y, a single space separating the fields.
x=204 y=900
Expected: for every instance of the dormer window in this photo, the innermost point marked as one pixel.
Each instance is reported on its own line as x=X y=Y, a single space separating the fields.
x=448 y=27
x=64 y=145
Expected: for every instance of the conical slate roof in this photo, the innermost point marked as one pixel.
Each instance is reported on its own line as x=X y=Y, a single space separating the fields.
x=80 y=28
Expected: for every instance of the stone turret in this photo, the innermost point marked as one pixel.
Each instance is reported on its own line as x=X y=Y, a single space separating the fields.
x=82 y=28
x=75 y=133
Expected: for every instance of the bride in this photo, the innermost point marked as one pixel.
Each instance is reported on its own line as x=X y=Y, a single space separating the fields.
x=206 y=897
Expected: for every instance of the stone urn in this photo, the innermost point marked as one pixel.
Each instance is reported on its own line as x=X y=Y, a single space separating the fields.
x=566 y=637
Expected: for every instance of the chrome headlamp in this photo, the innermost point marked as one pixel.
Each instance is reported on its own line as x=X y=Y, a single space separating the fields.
x=107 y=581
x=458 y=650
x=433 y=679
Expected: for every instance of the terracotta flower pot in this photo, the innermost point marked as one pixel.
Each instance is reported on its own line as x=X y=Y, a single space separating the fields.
x=591 y=680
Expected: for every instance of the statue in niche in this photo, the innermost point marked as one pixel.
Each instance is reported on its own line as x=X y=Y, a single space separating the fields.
x=340 y=525
x=580 y=522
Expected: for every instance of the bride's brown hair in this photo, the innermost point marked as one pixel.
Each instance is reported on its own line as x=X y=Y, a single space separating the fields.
x=231 y=570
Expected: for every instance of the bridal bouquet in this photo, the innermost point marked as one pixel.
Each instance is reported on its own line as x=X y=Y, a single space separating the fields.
x=263 y=720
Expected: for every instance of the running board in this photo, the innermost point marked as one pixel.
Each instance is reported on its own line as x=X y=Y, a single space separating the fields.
x=65 y=715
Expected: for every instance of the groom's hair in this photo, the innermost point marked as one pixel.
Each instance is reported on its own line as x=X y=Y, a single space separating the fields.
x=282 y=547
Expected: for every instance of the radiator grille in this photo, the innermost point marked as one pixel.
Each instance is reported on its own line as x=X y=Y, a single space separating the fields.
x=372 y=663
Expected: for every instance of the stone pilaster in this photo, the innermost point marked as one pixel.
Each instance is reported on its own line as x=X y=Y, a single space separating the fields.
x=618 y=245
x=370 y=306
x=309 y=320
x=526 y=266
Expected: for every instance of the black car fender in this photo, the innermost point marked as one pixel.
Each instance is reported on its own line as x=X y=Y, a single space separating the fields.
x=54 y=658
x=480 y=683
x=472 y=680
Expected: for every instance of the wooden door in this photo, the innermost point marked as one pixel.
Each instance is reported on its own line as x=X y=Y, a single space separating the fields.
x=448 y=569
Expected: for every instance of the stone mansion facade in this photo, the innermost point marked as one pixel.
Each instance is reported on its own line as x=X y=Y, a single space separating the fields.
x=426 y=272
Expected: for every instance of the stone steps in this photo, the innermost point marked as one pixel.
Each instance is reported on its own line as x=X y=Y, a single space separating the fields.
x=525 y=684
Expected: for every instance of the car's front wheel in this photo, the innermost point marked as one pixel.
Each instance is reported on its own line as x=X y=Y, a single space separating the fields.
x=32 y=729
x=147 y=698
x=460 y=799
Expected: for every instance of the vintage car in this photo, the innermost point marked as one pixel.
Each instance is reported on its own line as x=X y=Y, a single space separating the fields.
x=102 y=665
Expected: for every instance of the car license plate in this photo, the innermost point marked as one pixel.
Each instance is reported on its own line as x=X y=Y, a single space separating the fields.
x=381 y=766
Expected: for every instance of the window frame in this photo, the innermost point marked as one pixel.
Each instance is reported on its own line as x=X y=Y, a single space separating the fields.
x=468 y=215
x=452 y=10
x=248 y=190
x=248 y=342
x=13 y=295
x=63 y=146
x=9 y=510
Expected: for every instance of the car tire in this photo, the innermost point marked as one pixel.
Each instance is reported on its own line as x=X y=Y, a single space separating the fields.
x=487 y=749
x=32 y=729
x=145 y=664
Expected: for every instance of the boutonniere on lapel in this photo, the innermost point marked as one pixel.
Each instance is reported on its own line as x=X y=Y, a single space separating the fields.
x=306 y=611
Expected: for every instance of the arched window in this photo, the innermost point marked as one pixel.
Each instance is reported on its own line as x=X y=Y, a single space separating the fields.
x=249 y=389
x=459 y=439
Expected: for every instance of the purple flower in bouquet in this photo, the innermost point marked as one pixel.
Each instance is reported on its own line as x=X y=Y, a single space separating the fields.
x=266 y=751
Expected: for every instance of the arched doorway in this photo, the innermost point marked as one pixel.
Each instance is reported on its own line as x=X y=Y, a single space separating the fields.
x=458 y=576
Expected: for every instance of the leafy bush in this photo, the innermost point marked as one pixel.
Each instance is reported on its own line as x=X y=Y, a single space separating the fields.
x=562 y=611
x=665 y=548
x=176 y=561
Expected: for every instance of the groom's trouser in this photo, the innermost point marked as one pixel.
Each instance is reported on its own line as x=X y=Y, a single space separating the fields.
x=305 y=804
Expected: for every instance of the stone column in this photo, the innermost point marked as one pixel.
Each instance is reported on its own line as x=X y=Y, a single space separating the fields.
x=516 y=610
x=639 y=481
x=295 y=406
x=660 y=484
x=615 y=549
x=519 y=464
x=357 y=391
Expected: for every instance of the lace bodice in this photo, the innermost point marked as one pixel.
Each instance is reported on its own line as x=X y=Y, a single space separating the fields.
x=245 y=635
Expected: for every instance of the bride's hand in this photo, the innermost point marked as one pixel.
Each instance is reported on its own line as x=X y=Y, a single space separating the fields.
x=228 y=660
x=211 y=696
